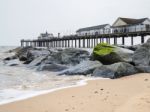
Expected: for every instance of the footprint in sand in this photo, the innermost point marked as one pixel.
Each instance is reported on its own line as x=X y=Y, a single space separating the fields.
x=73 y=108
x=96 y=92
x=145 y=79
x=81 y=103
x=101 y=89
x=66 y=109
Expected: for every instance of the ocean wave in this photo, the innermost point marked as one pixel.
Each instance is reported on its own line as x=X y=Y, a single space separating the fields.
x=21 y=82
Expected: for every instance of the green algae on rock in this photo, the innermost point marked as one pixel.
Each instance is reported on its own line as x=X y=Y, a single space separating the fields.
x=103 y=49
x=109 y=54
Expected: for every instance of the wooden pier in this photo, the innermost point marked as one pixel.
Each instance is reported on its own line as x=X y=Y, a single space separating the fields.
x=85 y=41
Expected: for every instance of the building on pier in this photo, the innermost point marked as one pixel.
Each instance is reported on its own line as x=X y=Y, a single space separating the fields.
x=45 y=36
x=89 y=37
x=94 y=30
x=125 y=25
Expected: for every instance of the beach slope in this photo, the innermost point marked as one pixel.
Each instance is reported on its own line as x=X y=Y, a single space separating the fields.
x=127 y=94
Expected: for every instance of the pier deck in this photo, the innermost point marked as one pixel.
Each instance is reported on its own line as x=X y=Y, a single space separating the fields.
x=85 y=41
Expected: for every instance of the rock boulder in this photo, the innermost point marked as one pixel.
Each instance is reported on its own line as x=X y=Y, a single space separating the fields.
x=141 y=56
x=115 y=70
x=69 y=56
x=133 y=47
x=108 y=54
x=143 y=69
x=10 y=58
x=52 y=67
x=28 y=54
x=37 y=61
x=84 y=68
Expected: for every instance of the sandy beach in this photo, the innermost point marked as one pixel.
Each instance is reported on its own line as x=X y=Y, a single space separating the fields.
x=127 y=94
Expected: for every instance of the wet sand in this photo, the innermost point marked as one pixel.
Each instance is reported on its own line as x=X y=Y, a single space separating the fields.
x=127 y=94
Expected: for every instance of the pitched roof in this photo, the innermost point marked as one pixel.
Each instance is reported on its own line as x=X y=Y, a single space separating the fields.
x=92 y=28
x=45 y=34
x=131 y=21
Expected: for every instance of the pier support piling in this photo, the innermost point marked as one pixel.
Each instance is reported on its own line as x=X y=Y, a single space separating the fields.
x=123 y=40
x=132 y=40
x=142 y=39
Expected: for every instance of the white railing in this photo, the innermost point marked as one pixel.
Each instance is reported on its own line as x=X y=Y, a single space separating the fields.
x=128 y=29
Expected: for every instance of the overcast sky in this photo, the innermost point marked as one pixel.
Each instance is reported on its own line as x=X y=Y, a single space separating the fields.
x=28 y=18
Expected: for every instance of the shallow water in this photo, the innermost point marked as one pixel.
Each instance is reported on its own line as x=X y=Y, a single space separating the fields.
x=19 y=82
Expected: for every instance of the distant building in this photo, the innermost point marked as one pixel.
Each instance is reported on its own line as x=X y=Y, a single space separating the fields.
x=45 y=36
x=123 y=25
x=94 y=30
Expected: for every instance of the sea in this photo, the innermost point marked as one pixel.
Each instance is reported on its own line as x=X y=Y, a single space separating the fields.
x=21 y=82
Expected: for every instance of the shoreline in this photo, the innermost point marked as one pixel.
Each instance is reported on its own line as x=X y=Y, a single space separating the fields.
x=127 y=94
x=43 y=92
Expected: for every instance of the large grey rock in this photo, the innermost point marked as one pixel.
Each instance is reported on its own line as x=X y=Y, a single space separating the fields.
x=141 y=56
x=38 y=53
x=15 y=50
x=133 y=47
x=68 y=56
x=108 y=54
x=24 y=58
x=22 y=53
x=115 y=70
x=10 y=58
x=143 y=69
x=52 y=67
x=84 y=68
x=37 y=61
x=148 y=41
x=28 y=54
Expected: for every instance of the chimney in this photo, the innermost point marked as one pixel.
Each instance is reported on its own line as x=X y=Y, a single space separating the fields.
x=58 y=35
